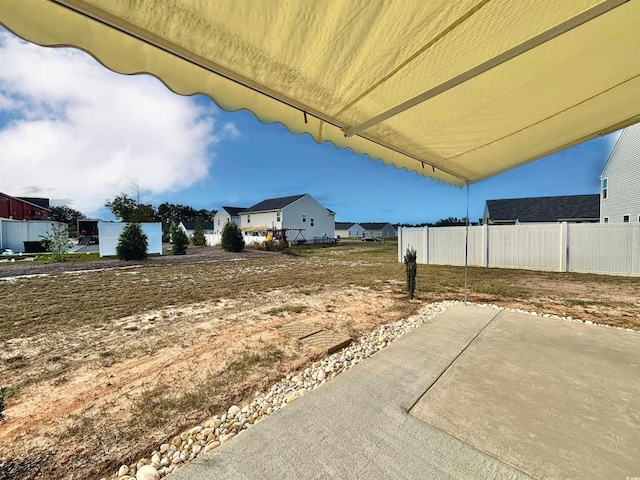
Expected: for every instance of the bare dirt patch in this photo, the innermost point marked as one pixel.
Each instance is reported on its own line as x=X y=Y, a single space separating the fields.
x=100 y=392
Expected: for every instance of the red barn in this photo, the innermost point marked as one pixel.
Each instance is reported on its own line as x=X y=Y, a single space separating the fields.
x=24 y=208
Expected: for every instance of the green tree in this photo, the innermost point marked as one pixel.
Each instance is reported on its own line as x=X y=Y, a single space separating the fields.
x=232 y=240
x=133 y=243
x=198 y=235
x=411 y=266
x=56 y=241
x=122 y=207
x=66 y=214
x=179 y=240
x=129 y=209
x=451 y=222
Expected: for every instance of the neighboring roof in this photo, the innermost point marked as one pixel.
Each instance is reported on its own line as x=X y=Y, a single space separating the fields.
x=39 y=201
x=192 y=225
x=545 y=209
x=375 y=226
x=457 y=91
x=273 y=204
x=344 y=225
x=233 y=211
x=36 y=202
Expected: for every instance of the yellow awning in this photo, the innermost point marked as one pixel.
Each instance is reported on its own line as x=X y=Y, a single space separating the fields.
x=454 y=90
x=263 y=228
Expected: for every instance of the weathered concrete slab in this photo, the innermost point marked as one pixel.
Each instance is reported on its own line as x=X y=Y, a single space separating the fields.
x=299 y=330
x=555 y=399
x=329 y=341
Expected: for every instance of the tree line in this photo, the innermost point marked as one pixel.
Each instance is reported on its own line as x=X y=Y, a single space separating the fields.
x=127 y=209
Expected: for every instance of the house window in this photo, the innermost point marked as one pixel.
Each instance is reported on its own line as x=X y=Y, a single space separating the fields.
x=625 y=218
x=311 y=222
x=349 y=233
x=304 y=218
x=248 y=218
x=605 y=187
x=218 y=222
x=606 y=219
x=277 y=216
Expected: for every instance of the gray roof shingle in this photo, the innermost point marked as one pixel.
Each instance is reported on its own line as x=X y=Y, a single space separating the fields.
x=192 y=225
x=273 y=204
x=234 y=211
x=545 y=209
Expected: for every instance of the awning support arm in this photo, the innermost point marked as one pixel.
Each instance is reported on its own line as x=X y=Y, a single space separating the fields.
x=524 y=47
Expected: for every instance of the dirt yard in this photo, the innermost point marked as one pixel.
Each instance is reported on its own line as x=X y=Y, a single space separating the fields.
x=105 y=363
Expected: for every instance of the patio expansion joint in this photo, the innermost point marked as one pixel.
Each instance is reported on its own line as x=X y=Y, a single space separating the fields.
x=444 y=370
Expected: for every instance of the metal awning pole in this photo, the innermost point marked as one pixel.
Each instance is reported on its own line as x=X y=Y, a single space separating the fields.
x=466 y=247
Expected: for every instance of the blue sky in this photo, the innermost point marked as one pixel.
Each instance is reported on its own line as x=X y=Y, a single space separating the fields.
x=84 y=134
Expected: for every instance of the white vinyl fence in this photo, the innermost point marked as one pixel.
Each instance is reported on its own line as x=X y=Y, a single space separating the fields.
x=561 y=247
x=109 y=236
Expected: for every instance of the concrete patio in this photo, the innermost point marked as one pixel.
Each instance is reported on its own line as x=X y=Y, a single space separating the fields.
x=474 y=393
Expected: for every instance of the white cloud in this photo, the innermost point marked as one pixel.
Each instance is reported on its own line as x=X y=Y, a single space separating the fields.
x=71 y=129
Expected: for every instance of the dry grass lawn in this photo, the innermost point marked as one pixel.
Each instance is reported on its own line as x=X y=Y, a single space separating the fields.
x=102 y=366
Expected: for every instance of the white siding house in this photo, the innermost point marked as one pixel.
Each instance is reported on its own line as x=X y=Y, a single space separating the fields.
x=295 y=212
x=620 y=180
x=379 y=230
x=349 y=229
x=188 y=227
x=225 y=215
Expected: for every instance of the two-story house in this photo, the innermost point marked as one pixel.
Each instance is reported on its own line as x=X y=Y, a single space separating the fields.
x=620 y=180
x=225 y=215
x=301 y=214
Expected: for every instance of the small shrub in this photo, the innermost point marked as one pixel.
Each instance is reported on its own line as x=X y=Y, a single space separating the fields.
x=411 y=266
x=56 y=242
x=132 y=244
x=179 y=239
x=198 y=238
x=232 y=240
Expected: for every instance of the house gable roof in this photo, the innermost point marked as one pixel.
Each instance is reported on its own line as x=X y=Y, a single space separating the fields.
x=233 y=211
x=375 y=225
x=628 y=135
x=273 y=204
x=192 y=225
x=545 y=209
x=344 y=225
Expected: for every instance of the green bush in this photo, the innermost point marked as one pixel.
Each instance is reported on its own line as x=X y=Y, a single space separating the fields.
x=179 y=239
x=411 y=265
x=232 y=240
x=198 y=238
x=132 y=244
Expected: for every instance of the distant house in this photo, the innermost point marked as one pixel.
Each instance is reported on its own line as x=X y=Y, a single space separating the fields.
x=301 y=214
x=188 y=227
x=567 y=208
x=379 y=230
x=225 y=215
x=620 y=180
x=25 y=208
x=349 y=229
